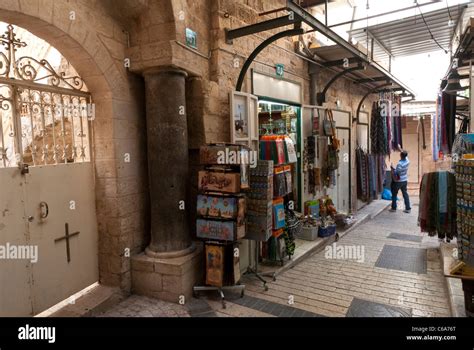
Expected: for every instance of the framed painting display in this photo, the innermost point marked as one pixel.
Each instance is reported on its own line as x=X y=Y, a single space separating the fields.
x=244 y=119
x=240 y=117
x=214 y=265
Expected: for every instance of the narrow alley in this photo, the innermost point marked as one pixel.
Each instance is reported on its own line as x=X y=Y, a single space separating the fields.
x=400 y=275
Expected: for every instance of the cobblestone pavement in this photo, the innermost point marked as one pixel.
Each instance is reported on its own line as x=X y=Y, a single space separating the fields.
x=140 y=306
x=328 y=286
x=320 y=286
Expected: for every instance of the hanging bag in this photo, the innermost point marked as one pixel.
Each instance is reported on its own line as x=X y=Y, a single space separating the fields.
x=335 y=143
x=328 y=124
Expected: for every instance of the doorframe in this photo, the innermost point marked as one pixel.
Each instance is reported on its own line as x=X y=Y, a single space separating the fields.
x=349 y=129
x=299 y=144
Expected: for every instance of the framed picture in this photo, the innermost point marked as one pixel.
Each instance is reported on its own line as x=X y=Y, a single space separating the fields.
x=240 y=117
x=214 y=265
x=244 y=119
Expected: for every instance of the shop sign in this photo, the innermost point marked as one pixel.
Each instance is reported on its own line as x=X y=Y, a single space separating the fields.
x=191 y=38
x=280 y=70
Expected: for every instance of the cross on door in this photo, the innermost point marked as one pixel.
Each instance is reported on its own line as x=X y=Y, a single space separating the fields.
x=66 y=237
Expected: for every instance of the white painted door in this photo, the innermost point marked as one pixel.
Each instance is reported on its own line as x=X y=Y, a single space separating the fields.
x=55 y=190
x=340 y=193
x=343 y=172
x=15 y=274
x=67 y=190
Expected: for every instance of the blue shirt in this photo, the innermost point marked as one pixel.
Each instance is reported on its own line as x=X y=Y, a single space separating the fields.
x=402 y=170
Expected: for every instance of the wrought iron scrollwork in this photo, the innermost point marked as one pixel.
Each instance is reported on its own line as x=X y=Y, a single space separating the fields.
x=43 y=112
x=29 y=68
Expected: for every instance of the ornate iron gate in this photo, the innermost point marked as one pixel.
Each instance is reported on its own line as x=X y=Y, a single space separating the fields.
x=47 y=199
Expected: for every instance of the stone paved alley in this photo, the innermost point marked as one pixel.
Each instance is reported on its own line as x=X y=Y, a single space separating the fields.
x=319 y=286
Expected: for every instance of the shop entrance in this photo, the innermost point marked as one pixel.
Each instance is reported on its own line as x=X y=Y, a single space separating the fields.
x=340 y=190
x=283 y=120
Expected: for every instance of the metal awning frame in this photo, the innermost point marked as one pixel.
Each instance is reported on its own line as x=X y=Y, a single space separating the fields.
x=297 y=15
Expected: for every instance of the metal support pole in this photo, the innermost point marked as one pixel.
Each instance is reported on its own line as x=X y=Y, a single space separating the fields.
x=367 y=94
x=321 y=96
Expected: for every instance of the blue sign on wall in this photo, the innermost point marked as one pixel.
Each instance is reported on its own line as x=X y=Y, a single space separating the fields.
x=191 y=38
x=280 y=69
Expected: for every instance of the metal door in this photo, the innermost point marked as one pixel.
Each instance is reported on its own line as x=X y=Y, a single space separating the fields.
x=343 y=172
x=48 y=228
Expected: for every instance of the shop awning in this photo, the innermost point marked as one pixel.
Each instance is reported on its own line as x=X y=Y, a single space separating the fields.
x=372 y=76
x=410 y=36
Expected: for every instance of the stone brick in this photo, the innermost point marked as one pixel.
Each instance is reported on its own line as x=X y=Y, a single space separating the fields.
x=130 y=185
x=106 y=168
x=45 y=10
x=62 y=12
x=130 y=222
x=128 y=129
x=12 y=5
x=79 y=29
x=104 y=149
x=126 y=281
x=142 y=262
x=116 y=48
x=106 y=187
x=103 y=127
x=109 y=279
x=29 y=7
x=172 y=283
x=92 y=44
x=130 y=204
x=107 y=206
x=146 y=283
x=113 y=226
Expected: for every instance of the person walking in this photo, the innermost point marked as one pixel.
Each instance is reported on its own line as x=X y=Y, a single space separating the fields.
x=400 y=181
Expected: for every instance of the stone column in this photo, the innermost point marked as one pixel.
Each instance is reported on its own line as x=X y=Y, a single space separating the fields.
x=167 y=142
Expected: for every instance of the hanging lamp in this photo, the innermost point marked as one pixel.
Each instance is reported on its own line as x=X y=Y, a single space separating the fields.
x=453 y=85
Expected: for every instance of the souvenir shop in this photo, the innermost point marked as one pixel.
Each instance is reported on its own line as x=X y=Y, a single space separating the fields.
x=446 y=197
x=269 y=186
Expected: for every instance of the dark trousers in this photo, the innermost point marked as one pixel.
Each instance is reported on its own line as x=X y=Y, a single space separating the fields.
x=400 y=186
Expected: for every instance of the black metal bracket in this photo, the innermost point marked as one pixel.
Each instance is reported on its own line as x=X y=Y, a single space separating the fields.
x=374 y=90
x=370 y=80
x=349 y=60
x=259 y=48
x=231 y=34
x=321 y=96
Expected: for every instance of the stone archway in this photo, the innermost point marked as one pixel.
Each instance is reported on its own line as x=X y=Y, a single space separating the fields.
x=96 y=50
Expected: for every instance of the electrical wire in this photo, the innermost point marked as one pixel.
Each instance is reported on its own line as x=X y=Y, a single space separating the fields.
x=428 y=28
x=449 y=12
